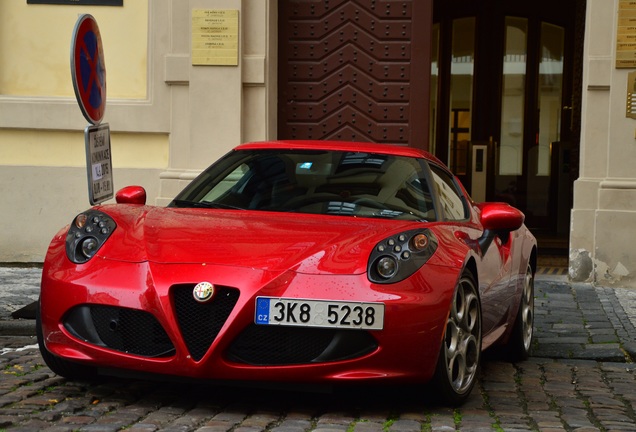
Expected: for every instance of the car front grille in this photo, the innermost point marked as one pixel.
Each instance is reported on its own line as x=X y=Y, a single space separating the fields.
x=277 y=345
x=200 y=323
x=121 y=329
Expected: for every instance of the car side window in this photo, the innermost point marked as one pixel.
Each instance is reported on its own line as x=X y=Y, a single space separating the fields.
x=451 y=199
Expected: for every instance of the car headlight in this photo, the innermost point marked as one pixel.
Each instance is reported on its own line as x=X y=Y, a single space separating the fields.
x=398 y=257
x=88 y=232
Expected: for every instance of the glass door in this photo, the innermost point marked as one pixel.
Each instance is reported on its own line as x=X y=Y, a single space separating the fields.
x=523 y=175
x=499 y=74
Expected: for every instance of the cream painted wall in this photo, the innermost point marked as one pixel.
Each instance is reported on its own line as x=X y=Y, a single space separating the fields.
x=168 y=118
x=31 y=148
x=42 y=159
x=604 y=214
x=38 y=201
x=43 y=182
x=35 y=44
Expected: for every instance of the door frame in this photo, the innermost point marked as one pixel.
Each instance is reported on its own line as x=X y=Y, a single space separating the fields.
x=486 y=122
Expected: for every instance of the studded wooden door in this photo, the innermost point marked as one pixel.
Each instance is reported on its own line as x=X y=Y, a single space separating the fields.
x=355 y=70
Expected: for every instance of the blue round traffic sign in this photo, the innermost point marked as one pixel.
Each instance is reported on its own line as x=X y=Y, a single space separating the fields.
x=88 y=70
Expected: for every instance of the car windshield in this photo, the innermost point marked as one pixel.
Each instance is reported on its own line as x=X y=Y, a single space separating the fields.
x=316 y=182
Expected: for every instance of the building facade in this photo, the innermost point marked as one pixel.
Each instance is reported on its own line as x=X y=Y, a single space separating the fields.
x=524 y=100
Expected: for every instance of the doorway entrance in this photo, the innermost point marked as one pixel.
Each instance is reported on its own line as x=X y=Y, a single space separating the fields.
x=503 y=101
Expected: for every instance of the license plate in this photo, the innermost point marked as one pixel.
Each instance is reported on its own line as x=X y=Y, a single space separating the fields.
x=319 y=313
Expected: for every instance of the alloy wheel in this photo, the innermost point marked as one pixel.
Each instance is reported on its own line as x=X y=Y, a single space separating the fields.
x=462 y=344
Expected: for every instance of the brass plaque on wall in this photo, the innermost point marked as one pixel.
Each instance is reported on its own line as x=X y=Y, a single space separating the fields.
x=626 y=35
x=215 y=37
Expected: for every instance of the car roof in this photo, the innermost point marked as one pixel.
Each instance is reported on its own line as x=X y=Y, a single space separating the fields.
x=366 y=147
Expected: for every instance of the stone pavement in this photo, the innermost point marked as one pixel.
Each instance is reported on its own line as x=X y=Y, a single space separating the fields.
x=536 y=395
x=580 y=378
x=580 y=321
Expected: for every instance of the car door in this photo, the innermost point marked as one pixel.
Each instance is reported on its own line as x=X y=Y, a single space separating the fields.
x=494 y=263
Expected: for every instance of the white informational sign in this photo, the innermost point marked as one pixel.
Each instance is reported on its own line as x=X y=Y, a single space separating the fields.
x=99 y=163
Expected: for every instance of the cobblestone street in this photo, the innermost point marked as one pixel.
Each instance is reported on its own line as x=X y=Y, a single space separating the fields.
x=582 y=377
x=536 y=395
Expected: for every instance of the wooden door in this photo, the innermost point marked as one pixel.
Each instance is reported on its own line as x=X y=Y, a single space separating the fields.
x=355 y=70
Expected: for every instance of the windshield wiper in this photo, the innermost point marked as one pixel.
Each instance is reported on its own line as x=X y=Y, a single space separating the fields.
x=204 y=204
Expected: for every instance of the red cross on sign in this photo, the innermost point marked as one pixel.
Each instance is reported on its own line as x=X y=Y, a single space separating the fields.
x=88 y=70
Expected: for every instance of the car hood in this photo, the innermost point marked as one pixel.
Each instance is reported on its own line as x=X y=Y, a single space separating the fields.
x=269 y=241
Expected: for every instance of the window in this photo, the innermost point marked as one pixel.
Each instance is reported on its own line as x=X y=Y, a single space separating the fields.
x=326 y=182
x=451 y=199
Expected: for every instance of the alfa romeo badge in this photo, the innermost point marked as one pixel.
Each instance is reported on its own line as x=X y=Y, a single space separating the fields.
x=203 y=292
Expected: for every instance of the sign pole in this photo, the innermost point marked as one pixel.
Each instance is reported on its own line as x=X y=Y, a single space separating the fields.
x=88 y=72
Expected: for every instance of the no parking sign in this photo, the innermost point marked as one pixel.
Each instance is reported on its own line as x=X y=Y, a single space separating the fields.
x=88 y=69
x=88 y=72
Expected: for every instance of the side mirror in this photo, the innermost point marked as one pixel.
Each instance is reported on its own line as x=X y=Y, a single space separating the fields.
x=500 y=217
x=131 y=195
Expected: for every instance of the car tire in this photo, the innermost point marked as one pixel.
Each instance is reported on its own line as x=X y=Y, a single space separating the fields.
x=520 y=343
x=59 y=366
x=460 y=354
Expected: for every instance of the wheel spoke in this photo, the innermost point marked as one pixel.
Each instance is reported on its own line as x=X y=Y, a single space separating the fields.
x=472 y=310
x=459 y=305
x=452 y=335
x=457 y=372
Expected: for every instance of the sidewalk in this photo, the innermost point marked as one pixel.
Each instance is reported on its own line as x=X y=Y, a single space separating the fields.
x=572 y=320
x=581 y=321
x=19 y=288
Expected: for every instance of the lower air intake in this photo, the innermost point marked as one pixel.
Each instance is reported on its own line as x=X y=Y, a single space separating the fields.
x=278 y=346
x=126 y=330
x=200 y=323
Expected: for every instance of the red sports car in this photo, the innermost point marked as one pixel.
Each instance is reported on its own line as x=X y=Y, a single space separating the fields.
x=294 y=261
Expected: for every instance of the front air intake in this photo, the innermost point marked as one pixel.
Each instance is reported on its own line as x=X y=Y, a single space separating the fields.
x=130 y=331
x=200 y=323
x=265 y=345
